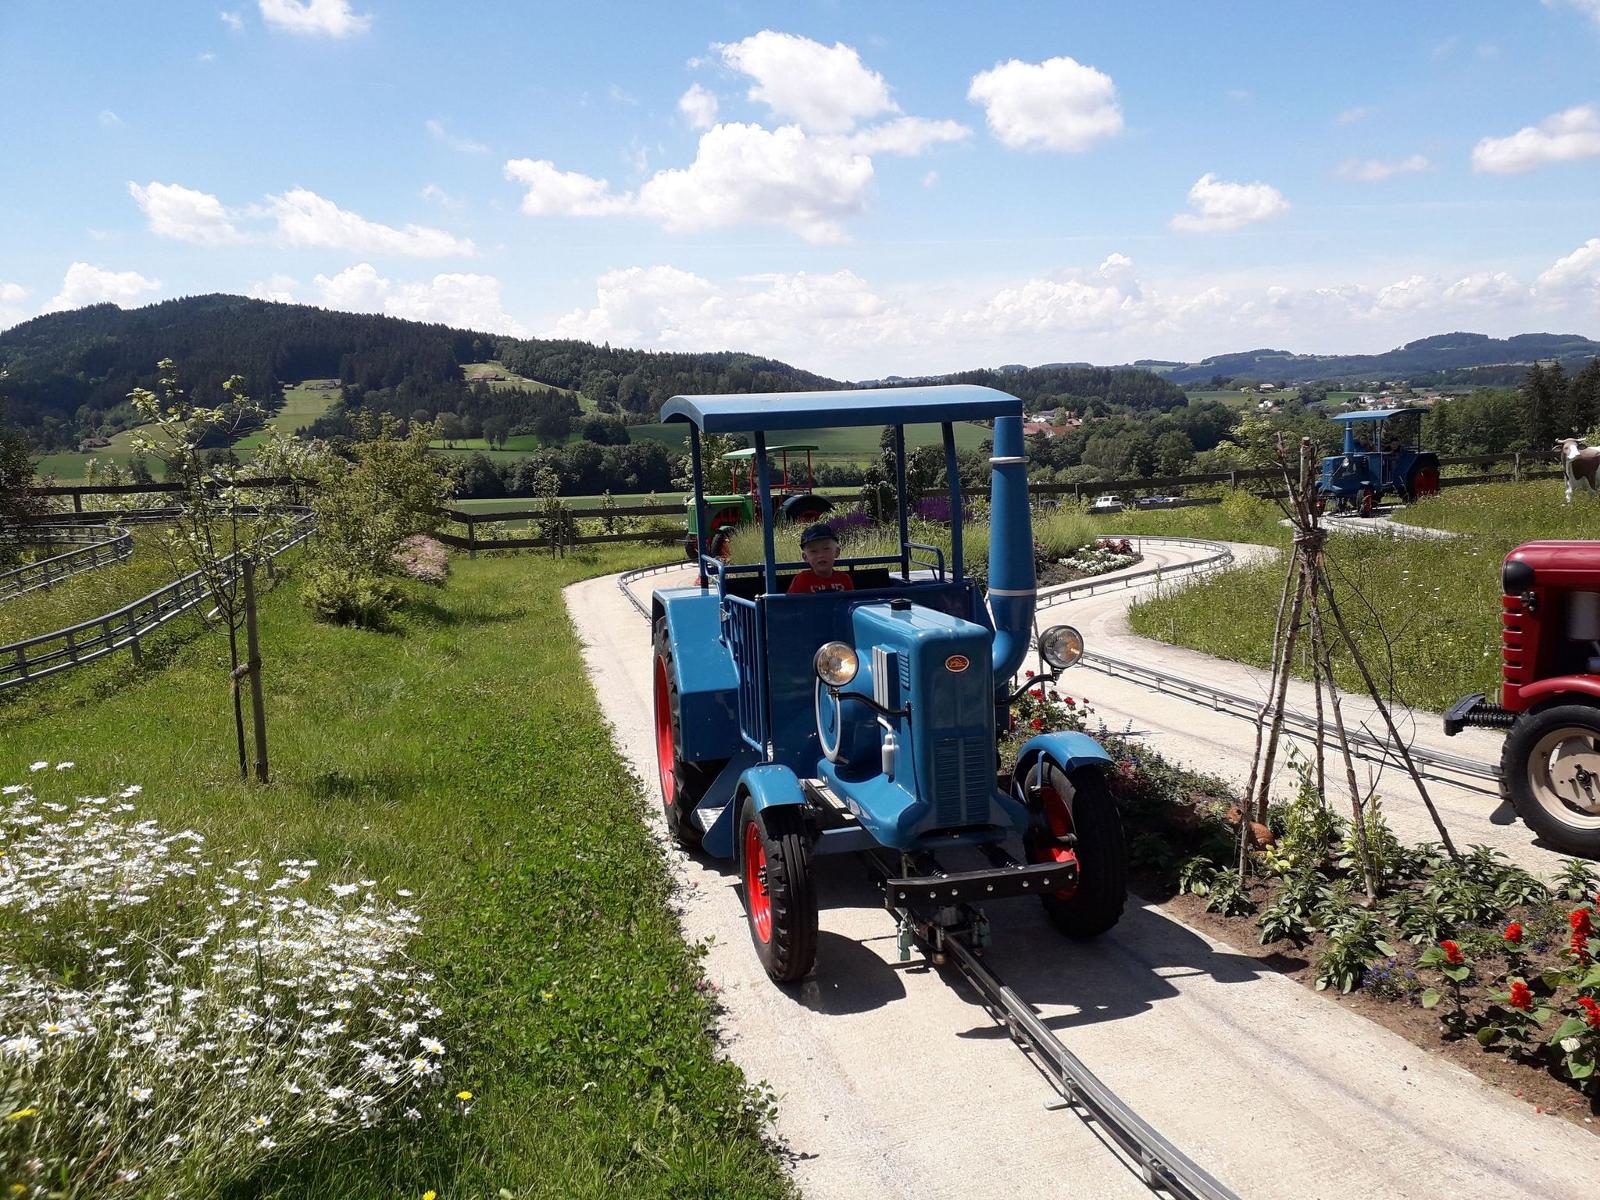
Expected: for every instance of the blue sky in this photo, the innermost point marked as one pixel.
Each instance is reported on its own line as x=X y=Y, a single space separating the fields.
x=862 y=189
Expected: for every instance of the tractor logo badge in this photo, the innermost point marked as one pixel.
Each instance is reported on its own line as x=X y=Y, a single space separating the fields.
x=957 y=663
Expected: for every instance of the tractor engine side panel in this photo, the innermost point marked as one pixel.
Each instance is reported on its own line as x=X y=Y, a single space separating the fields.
x=708 y=685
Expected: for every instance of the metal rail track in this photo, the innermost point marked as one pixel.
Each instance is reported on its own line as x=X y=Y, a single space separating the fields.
x=1162 y=1167
x=34 y=658
x=96 y=546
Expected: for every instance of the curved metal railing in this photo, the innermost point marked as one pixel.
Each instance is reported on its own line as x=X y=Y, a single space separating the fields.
x=34 y=658
x=95 y=546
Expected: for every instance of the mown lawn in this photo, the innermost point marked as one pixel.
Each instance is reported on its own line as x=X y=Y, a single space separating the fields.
x=1426 y=613
x=462 y=756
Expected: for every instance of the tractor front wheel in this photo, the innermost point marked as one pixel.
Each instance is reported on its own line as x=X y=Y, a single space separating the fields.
x=1550 y=773
x=682 y=783
x=1076 y=818
x=780 y=890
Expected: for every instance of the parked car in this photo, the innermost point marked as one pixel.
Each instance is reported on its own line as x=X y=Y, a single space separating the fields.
x=1157 y=501
x=1106 y=504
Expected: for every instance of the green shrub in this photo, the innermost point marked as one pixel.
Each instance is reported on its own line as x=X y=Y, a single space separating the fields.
x=349 y=594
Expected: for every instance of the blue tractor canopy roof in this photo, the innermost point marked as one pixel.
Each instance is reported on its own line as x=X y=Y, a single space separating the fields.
x=759 y=412
x=1376 y=414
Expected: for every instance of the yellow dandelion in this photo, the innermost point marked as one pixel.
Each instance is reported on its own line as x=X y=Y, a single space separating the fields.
x=463 y=1095
x=430 y=1194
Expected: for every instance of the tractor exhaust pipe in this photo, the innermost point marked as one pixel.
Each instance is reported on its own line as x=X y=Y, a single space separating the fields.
x=1012 y=582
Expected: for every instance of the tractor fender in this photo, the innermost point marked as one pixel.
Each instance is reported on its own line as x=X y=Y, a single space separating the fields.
x=770 y=785
x=703 y=671
x=1558 y=689
x=1068 y=750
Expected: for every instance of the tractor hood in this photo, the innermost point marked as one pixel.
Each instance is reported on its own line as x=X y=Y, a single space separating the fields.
x=1012 y=582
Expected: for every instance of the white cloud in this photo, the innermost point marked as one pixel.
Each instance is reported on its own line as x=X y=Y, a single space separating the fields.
x=699 y=106
x=232 y=20
x=12 y=308
x=1057 y=104
x=313 y=18
x=931 y=179
x=109 y=119
x=906 y=135
x=1589 y=8
x=1574 y=273
x=556 y=193
x=1351 y=115
x=467 y=301
x=744 y=173
x=1560 y=137
x=1375 y=170
x=1219 y=205
x=434 y=194
x=307 y=219
x=185 y=215
x=281 y=288
x=84 y=284
x=826 y=89
x=436 y=128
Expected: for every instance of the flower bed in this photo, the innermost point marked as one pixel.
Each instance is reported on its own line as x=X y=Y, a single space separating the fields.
x=170 y=1025
x=1476 y=958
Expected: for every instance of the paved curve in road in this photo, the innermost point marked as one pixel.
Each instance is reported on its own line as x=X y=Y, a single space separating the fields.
x=893 y=1082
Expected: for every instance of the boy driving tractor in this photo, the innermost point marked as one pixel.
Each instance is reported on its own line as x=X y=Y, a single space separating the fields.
x=819 y=546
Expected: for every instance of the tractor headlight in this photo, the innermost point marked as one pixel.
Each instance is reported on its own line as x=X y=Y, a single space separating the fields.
x=836 y=664
x=1061 y=646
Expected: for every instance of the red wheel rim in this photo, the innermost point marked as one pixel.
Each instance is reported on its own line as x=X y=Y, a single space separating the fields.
x=1427 y=482
x=1058 y=818
x=666 y=749
x=1368 y=503
x=755 y=883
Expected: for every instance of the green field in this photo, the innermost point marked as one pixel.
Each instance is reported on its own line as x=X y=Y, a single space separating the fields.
x=69 y=466
x=1234 y=398
x=462 y=756
x=478 y=370
x=857 y=444
x=303 y=403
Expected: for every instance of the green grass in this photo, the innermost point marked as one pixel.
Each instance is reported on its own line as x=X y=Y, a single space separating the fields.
x=1425 y=613
x=463 y=756
x=856 y=444
x=69 y=466
x=302 y=404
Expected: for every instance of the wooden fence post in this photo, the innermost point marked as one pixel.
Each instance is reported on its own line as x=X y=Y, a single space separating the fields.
x=1516 y=466
x=253 y=664
x=472 y=536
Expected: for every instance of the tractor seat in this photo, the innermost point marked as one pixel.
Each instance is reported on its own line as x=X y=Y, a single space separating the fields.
x=866 y=579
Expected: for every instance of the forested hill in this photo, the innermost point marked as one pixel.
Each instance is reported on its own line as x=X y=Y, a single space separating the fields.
x=68 y=374
x=1445 y=358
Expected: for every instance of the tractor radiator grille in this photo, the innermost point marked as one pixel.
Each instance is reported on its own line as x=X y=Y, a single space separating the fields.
x=963 y=778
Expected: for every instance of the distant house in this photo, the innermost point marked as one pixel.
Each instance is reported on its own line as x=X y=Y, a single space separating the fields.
x=1266 y=406
x=93 y=443
x=1029 y=428
x=1266 y=387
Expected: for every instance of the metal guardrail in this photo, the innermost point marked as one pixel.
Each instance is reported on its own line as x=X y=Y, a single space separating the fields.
x=97 y=546
x=34 y=658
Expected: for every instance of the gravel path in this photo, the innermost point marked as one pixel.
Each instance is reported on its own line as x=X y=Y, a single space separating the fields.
x=893 y=1082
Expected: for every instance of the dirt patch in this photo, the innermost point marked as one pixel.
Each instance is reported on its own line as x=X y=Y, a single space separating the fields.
x=1531 y=1084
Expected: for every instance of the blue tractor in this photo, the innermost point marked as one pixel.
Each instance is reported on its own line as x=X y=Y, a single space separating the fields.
x=868 y=722
x=1358 y=479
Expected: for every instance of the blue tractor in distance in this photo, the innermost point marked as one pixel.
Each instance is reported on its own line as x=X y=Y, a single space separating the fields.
x=1358 y=479
x=868 y=722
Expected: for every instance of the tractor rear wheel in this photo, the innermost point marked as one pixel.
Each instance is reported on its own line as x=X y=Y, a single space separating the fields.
x=1550 y=773
x=1423 y=481
x=1369 y=502
x=1076 y=818
x=682 y=783
x=803 y=508
x=780 y=890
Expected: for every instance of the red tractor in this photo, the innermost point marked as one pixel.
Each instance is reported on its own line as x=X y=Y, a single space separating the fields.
x=1549 y=692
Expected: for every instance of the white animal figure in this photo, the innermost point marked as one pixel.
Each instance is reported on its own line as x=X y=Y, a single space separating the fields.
x=1580 y=464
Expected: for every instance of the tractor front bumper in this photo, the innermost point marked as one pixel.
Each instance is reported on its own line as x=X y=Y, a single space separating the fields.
x=964 y=887
x=1478 y=711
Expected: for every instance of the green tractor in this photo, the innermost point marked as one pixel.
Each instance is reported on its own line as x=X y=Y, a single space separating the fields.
x=796 y=502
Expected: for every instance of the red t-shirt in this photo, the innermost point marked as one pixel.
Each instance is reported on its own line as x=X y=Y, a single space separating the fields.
x=810 y=581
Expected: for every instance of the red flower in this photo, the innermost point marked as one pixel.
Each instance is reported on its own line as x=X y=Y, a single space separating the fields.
x=1513 y=934
x=1521 y=996
x=1591 y=1012
x=1030 y=674
x=1579 y=945
x=1452 y=952
x=1579 y=920
x=1037 y=724
x=1070 y=702
x=1037 y=693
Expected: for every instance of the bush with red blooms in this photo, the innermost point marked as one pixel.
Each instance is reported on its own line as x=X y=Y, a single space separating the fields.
x=1043 y=709
x=1452 y=964
x=1581 y=921
x=1577 y=1038
x=1511 y=939
x=1515 y=1015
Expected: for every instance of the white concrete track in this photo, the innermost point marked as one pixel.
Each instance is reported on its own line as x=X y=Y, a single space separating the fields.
x=893 y=1082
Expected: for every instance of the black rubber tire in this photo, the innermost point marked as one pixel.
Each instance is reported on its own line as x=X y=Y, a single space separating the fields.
x=1517 y=789
x=1102 y=889
x=691 y=780
x=790 y=951
x=803 y=508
